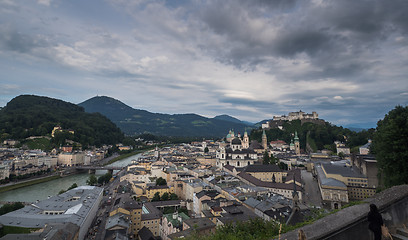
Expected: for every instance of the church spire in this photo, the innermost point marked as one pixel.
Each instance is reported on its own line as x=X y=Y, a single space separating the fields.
x=295 y=202
x=245 y=140
x=296 y=137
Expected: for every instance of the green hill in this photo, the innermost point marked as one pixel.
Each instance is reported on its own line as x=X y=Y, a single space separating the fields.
x=29 y=115
x=228 y=118
x=135 y=121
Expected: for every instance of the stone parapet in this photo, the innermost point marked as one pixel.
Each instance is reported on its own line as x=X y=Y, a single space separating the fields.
x=351 y=222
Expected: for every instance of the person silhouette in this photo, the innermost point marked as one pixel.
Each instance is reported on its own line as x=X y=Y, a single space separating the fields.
x=375 y=221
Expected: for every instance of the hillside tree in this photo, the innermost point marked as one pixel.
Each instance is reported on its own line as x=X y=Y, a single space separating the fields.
x=390 y=146
x=161 y=181
x=266 y=159
x=273 y=159
x=156 y=197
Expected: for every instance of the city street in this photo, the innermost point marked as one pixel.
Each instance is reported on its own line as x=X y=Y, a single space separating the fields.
x=97 y=230
x=312 y=194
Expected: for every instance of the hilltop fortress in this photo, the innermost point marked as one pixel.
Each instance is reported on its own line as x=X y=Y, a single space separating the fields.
x=297 y=116
x=277 y=121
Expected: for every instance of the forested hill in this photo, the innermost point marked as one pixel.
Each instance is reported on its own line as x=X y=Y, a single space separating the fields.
x=228 y=118
x=29 y=115
x=135 y=121
x=317 y=136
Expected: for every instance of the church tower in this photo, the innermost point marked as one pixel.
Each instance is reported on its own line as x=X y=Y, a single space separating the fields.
x=264 y=140
x=157 y=153
x=297 y=144
x=228 y=138
x=291 y=145
x=245 y=141
x=222 y=153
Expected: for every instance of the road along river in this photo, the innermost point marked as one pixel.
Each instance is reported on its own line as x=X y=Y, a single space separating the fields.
x=41 y=191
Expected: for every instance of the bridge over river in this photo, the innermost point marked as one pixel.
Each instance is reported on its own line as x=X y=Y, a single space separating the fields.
x=92 y=169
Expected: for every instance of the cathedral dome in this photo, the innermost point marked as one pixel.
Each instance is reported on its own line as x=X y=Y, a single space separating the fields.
x=236 y=141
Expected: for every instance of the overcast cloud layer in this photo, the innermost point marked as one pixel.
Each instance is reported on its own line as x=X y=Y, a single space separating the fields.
x=252 y=59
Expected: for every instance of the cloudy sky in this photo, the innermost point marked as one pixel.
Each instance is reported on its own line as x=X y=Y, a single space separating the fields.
x=346 y=60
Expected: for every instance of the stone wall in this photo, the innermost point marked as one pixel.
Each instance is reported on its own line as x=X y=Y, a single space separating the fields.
x=351 y=222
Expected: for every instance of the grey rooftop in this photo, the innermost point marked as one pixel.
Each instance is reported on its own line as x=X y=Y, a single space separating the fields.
x=72 y=206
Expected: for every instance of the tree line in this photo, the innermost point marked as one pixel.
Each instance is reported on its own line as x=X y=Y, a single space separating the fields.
x=101 y=180
x=390 y=146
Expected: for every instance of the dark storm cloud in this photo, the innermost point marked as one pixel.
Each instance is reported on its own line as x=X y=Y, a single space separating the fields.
x=251 y=59
x=298 y=41
x=333 y=32
x=361 y=16
x=270 y=4
x=221 y=20
x=12 y=40
x=371 y=18
x=244 y=32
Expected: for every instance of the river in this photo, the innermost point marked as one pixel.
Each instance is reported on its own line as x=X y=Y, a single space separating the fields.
x=41 y=191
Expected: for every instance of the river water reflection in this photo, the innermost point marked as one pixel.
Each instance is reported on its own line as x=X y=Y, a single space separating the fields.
x=42 y=190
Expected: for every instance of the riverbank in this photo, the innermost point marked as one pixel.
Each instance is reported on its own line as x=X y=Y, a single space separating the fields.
x=41 y=191
x=123 y=156
x=51 y=187
x=28 y=183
